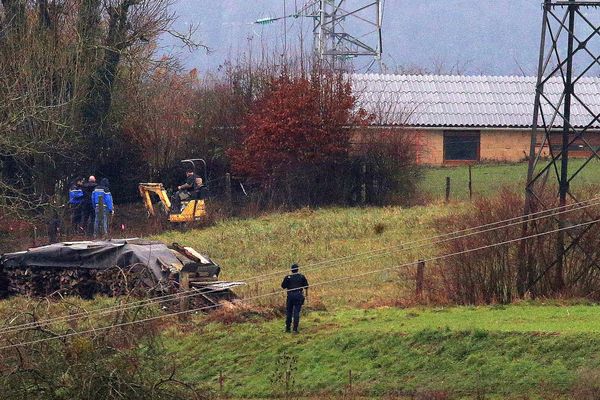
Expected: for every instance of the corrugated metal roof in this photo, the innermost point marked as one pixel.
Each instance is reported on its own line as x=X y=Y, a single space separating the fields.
x=468 y=101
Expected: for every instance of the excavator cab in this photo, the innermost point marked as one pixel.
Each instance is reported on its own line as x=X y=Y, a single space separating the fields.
x=192 y=209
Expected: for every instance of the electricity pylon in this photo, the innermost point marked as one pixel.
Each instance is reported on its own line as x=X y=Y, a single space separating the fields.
x=564 y=121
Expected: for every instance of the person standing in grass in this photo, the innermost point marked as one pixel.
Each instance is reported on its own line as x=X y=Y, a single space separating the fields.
x=294 y=284
x=88 y=213
x=101 y=217
x=76 y=203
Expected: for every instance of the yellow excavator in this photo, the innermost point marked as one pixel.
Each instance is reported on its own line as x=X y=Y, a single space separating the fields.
x=191 y=210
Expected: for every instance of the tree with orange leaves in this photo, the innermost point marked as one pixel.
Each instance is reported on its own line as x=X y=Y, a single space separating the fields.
x=298 y=130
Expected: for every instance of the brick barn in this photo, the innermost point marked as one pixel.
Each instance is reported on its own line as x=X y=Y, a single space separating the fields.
x=468 y=119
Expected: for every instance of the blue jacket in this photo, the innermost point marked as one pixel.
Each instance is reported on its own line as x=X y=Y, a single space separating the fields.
x=75 y=195
x=105 y=193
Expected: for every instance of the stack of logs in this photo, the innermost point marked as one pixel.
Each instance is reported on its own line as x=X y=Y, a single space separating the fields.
x=136 y=280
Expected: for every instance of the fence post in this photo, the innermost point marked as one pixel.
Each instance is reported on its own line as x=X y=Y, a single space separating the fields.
x=470 y=184
x=287 y=382
x=184 y=299
x=350 y=381
x=420 y=278
x=228 y=196
x=363 y=185
x=447 y=189
x=221 y=381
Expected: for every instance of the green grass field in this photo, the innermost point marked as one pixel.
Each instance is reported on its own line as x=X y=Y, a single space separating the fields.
x=517 y=352
x=523 y=351
x=534 y=351
x=488 y=178
x=265 y=245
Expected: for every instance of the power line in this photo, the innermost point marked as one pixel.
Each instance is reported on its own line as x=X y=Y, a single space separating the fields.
x=344 y=278
x=371 y=254
x=316 y=266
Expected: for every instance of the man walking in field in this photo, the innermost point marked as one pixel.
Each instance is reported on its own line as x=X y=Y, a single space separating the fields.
x=294 y=285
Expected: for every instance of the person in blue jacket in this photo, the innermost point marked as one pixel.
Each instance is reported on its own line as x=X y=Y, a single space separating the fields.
x=75 y=202
x=88 y=213
x=102 y=191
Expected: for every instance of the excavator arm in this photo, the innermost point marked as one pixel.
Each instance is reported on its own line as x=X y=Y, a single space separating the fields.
x=159 y=190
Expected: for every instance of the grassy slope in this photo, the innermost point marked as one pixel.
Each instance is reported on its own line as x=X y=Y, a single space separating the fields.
x=523 y=350
x=507 y=351
x=487 y=178
x=270 y=243
x=510 y=350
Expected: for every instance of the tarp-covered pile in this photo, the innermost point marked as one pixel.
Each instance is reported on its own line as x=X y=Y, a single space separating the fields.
x=111 y=267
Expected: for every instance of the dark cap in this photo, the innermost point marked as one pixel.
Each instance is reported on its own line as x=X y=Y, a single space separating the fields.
x=295 y=267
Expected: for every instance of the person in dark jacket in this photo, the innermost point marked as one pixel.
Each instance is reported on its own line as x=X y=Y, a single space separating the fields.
x=75 y=203
x=102 y=192
x=187 y=191
x=294 y=284
x=88 y=213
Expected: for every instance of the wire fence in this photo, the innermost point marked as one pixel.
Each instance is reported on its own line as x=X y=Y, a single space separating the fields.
x=228 y=373
x=339 y=261
x=279 y=292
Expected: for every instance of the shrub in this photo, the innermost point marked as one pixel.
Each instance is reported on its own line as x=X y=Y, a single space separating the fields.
x=499 y=274
x=299 y=146
x=587 y=385
x=390 y=158
x=297 y=139
x=128 y=362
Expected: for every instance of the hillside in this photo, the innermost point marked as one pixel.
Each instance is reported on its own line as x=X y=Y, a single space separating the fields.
x=516 y=352
x=323 y=242
x=368 y=328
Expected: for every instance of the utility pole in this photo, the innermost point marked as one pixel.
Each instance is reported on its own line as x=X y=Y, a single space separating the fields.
x=342 y=29
x=567 y=57
x=346 y=29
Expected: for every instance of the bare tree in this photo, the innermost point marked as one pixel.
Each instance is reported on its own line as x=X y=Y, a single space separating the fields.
x=60 y=64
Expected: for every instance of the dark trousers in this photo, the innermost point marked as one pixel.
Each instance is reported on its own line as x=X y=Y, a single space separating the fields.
x=88 y=218
x=292 y=311
x=179 y=197
x=76 y=217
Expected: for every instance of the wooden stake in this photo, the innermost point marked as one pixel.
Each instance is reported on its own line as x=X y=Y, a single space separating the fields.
x=420 y=278
x=221 y=380
x=228 y=195
x=447 y=189
x=470 y=184
x=184 y=301
x=350 y=381
x=363 y=186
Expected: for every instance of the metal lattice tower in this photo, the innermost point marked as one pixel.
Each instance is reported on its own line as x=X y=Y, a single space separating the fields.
x=563 y=122
x=345 y=29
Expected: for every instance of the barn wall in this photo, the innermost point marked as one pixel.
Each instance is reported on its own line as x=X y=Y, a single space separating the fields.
x=501 y=145
x=495 y=145
x=504 y=145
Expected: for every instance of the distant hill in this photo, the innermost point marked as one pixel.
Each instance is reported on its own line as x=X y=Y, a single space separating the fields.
x=480 y=36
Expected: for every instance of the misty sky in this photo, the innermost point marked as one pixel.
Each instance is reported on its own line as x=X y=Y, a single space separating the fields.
x=481 y=36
